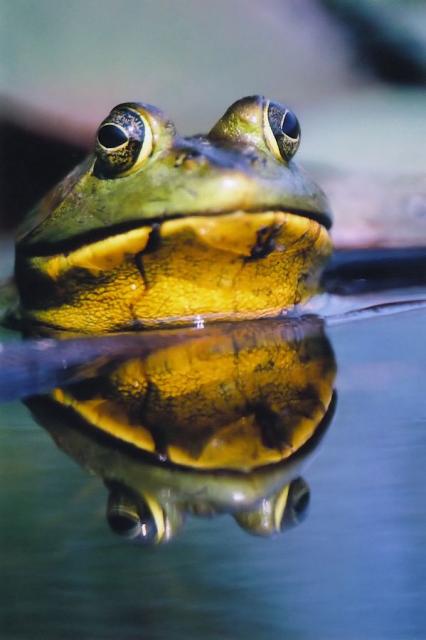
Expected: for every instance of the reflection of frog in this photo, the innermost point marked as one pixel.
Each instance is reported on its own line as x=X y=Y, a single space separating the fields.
x=218 y=422
x=156 y=229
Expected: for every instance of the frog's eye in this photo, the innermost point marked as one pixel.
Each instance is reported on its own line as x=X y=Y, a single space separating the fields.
x=282 y=130
x=131 y=517
x=124 y=141
x=296 y=508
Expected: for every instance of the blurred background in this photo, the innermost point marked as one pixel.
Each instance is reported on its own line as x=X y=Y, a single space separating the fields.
x=354 y=72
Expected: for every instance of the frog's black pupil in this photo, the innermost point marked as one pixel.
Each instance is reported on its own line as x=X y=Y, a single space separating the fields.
x=283 y=121
x=111 y=136
x=301 y=504
x=297 y=505
x=122 y=524
x=290 y=125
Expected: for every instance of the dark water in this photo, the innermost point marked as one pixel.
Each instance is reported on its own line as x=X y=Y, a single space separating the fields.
x=355 y=568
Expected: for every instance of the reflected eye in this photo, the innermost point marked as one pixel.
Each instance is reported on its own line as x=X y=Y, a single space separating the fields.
x=297 y=505
x=123 y=142
x=131 y=518
x=282 y=130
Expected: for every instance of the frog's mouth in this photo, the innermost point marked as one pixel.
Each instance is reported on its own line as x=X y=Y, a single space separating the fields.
x=32 y=248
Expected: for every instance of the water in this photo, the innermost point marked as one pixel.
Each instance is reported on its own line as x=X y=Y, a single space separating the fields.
x=355 y=568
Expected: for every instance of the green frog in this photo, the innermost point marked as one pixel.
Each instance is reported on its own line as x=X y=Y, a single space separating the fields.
x=154 y=229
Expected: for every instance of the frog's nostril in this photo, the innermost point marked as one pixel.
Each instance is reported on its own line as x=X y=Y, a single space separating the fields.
x=256 y=160
x=179 y=159
x=190 y=159
x=193 y=154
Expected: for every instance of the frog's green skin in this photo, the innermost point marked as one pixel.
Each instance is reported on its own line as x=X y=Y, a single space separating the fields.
x=227 y=221
x=230 y=169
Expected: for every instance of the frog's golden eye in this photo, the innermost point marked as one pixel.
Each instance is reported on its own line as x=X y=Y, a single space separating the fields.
x=282 y=130
x=123 y=142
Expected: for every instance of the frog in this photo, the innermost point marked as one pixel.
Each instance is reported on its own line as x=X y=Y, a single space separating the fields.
x=211 y=422
x=157 y=230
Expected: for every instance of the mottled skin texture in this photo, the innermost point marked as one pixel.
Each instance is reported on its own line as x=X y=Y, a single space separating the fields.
x=219 y=226
x=249 y=397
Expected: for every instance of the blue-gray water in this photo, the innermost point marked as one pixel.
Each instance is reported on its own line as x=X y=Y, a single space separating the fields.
x=355 y=568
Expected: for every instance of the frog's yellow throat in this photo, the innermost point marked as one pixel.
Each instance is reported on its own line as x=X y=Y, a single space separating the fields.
x=232 y=266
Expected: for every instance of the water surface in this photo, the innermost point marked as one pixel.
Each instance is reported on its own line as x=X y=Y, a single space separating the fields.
x=356 y=567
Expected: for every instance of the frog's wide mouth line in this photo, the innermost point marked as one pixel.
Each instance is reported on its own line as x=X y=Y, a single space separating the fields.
x=77 y=422
x=54 y=247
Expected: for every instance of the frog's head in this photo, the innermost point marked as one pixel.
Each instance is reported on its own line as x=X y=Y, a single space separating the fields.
x=141 y=171
x=235 y=192
x=155 y=519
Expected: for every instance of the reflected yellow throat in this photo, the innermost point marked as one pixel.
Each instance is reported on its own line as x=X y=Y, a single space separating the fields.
x=233 y=266
x=239 y=399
